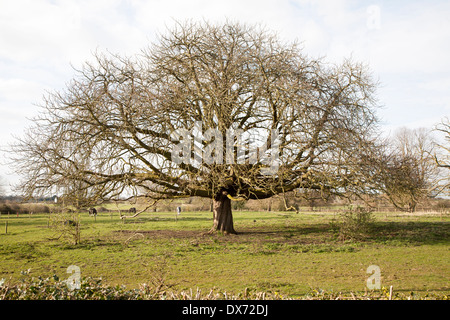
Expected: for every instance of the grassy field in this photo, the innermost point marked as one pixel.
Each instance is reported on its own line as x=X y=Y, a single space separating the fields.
x=288 y=253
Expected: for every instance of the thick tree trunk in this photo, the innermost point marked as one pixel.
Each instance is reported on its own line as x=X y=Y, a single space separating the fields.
x=223 y=217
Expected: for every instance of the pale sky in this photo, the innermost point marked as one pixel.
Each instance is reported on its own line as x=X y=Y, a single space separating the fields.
x=405 y=43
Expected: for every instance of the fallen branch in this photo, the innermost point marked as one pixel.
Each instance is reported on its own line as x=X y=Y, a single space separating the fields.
x=133 y=236
x=138 y=212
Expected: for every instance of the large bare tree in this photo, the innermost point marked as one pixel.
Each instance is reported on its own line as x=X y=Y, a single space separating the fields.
x=178 y=120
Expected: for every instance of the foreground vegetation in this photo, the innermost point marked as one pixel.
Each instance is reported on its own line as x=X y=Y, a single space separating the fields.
x=276 y=255
x=94 y=289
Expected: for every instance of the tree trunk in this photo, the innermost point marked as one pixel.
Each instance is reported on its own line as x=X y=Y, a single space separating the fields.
x=223 y=217
x=412 y=206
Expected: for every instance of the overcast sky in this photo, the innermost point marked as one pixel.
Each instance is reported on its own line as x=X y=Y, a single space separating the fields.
x=405 y=43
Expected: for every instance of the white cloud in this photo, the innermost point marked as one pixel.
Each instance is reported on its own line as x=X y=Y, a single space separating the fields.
x=36 y=29
x=13 y=89
x=414 y=39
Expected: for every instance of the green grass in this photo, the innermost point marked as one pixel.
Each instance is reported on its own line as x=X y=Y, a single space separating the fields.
x=289 y=253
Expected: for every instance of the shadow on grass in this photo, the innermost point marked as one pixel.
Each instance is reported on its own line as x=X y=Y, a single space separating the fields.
x=389 y=233
x=410 y=232
x=166 y=219
x=394 y=233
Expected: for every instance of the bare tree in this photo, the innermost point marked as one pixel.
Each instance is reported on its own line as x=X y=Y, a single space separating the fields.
x=407 y=172
x=442 y=156
x=121 y=121
x=2 y=187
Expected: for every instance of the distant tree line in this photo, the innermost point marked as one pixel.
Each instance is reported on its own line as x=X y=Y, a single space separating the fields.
x=11 y=207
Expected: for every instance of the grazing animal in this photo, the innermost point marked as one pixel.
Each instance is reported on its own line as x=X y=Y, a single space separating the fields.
x=132 y=210
x=92 y=211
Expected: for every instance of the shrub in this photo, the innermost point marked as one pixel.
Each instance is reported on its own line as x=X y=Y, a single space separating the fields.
x=66 y=226
x=353 y=224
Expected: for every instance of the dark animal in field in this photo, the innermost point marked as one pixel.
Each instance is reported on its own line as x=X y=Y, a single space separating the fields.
x=92 y=211
x=132 y=210
x=70 y=223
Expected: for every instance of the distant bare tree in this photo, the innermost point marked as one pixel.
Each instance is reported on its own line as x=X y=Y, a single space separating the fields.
x=442 y=156
x=408 y=173
x=110 y=132
x=2 y=187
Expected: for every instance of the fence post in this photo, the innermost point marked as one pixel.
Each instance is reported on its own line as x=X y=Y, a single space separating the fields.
x=6 y=227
